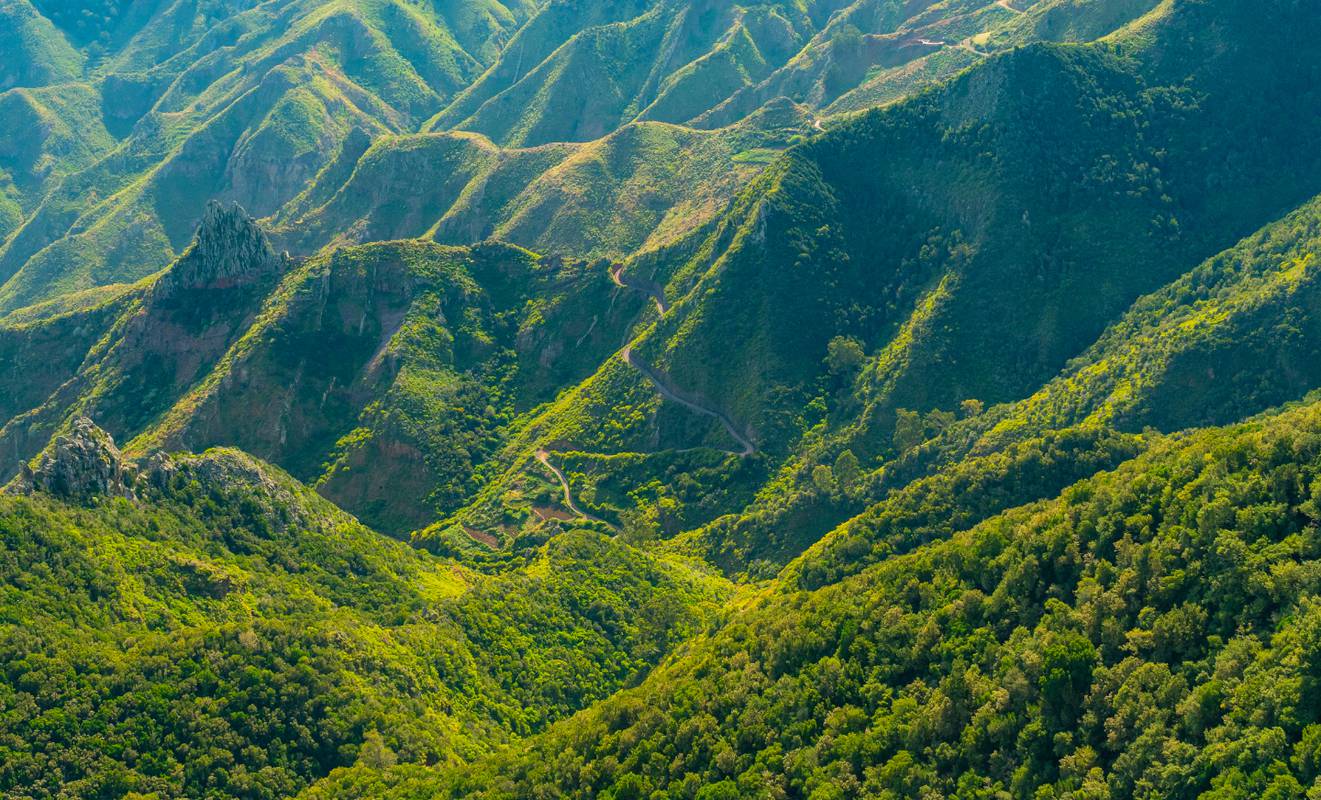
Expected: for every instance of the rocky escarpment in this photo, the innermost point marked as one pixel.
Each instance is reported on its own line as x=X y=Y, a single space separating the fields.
x=230 y=249
x=81 y=463
x=162 y=341
x=83 y=466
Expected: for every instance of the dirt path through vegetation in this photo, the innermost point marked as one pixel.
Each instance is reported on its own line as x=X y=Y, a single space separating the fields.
x=544 y=457
x=966 y=44
x=658 y=380
x=657 y=296
x=670 y=393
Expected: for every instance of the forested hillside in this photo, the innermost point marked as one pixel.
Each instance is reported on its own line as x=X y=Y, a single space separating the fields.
x=1150 y=632
x=664 y=399
x=204 y=625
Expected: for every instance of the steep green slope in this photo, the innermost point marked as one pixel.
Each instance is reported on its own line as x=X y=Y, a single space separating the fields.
x=1149 y=633
x=1234 y=336
x=1066 y=20
x=542 y=36
x=1092 y=175
x=638 y=189
x=575 y=74
x=62 y=133
x=147 y=347
x=384 y=374
x=641 y=187
x=219 y=630
x=32 y=51
x=1237 y=334
x=54 y=122
x=395 y=189
x=41 y=352
x=92 y=23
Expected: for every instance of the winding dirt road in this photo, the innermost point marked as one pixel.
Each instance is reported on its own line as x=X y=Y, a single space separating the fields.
x=544 y=457
x=966 y=44
x=657 y=296
x=670 y=394
x=657 y=380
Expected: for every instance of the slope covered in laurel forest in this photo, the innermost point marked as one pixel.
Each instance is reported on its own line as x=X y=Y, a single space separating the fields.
x=666 y=399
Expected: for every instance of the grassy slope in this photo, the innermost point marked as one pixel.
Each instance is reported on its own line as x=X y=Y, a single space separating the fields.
x=712 y=65
x=1249 y=313
x=638 y=188
x=32 y=51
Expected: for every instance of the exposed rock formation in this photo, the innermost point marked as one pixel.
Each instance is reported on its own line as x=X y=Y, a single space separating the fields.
x=230 y=249
x=81 y=463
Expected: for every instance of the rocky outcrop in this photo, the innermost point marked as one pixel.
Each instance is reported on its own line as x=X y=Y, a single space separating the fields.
x=230 y=249
x=79 y=464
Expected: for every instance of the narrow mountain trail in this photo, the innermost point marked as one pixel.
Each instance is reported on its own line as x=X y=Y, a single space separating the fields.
x=657 y=296
x=1005 y=5
x=966 y=44
x=670 y=393
x=543 y=456
x=657 y=379
x=666 y=391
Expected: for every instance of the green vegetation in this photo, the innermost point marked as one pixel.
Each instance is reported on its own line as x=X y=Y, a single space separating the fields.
x=386 y=375
x=84 y=21
x=32 y=51
x=1149 y=633
x=957 y=260
x=225 y=604
x=660 y=399
x=268 y=105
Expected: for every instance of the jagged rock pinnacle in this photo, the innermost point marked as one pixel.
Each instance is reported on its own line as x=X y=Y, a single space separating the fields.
x=230 y=248
x=81 y=463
